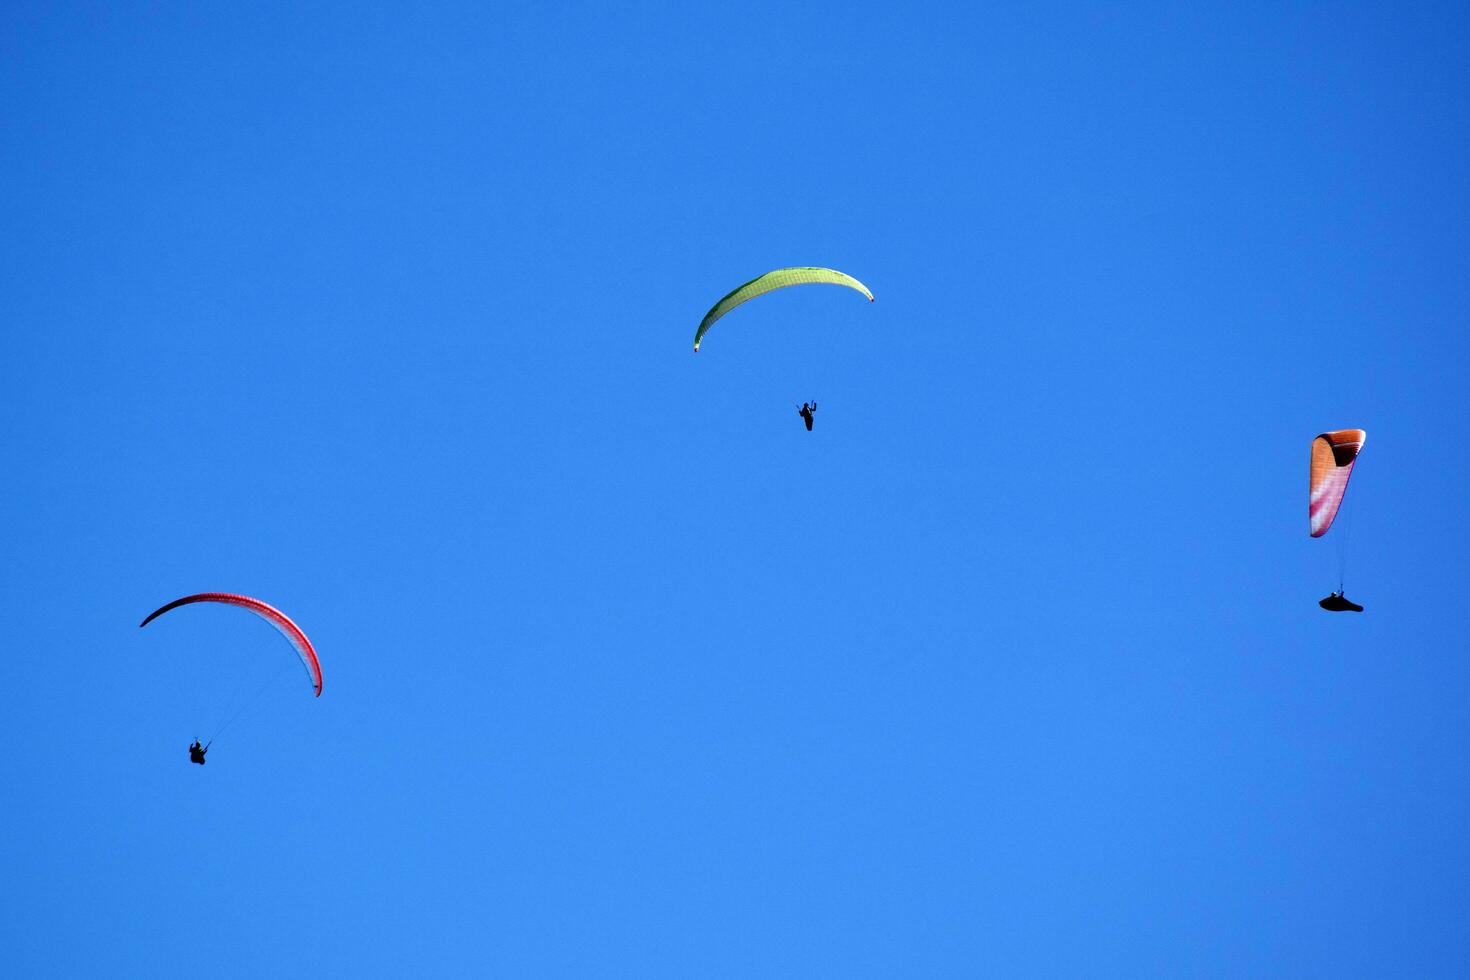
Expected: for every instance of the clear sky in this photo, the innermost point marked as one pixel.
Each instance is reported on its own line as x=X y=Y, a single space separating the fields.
x=1013 y=667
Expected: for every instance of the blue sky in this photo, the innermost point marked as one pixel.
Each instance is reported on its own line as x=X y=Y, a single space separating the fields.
x=1013 y=667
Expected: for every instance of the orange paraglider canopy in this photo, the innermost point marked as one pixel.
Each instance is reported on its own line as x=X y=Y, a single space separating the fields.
x=1333 y=456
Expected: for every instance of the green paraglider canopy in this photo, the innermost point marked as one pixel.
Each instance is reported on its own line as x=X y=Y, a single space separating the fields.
x=771 y=281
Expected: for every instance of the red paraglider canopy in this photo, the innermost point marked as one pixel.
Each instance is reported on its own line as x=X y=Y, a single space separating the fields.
x=265 y=611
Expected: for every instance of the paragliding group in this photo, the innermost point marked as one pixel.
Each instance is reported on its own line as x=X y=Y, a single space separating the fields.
x=1333 y=453
x=1333 y=456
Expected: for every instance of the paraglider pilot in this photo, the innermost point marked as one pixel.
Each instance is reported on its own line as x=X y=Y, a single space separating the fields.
x=196 y=752
x=1338 y=602
x=806 y=414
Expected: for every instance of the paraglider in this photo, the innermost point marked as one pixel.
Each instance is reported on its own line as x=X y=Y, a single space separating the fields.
x=271 y=615
x=806 y=414
x=771 y=281
x=1333 y=456
x=267 y=612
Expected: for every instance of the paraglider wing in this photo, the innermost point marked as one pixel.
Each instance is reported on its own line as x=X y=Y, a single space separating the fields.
x=771 y=281
x=1333 y=456
x=267 y=612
